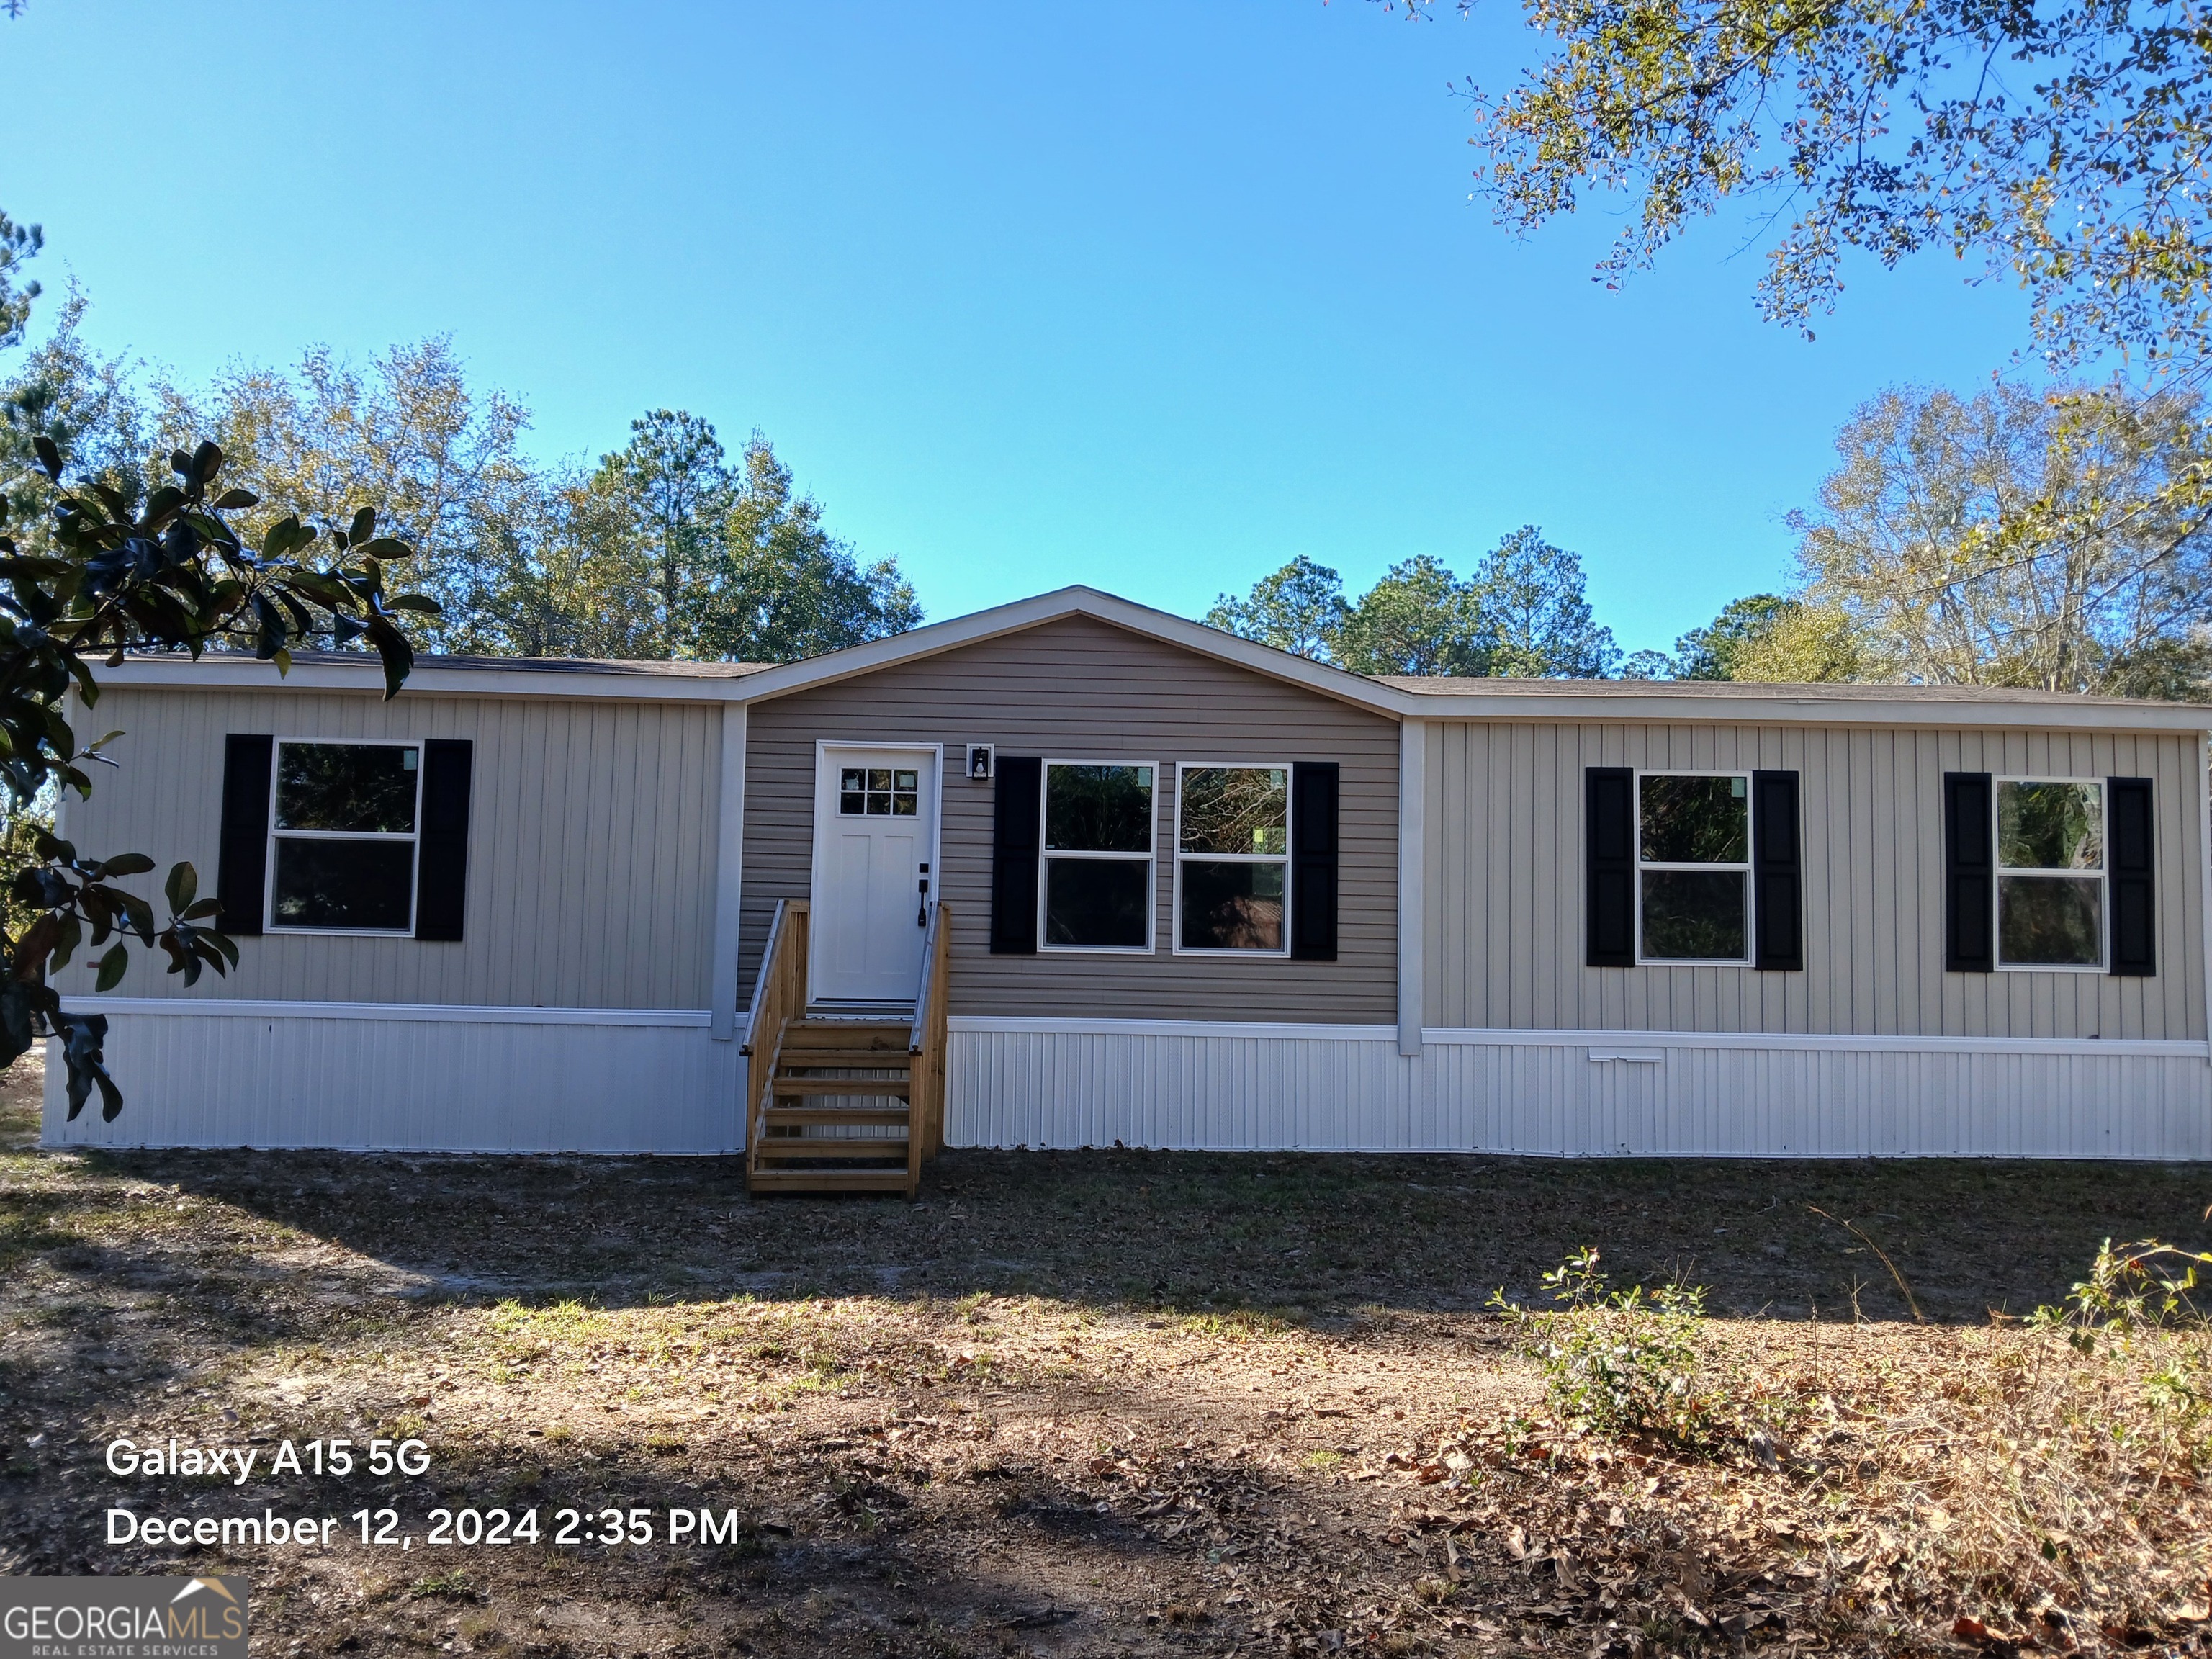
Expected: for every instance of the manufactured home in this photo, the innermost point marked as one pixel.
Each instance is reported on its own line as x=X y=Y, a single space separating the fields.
x=1075 y=872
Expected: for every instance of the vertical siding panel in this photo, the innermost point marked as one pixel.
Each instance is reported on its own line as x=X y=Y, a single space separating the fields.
x=559 y=913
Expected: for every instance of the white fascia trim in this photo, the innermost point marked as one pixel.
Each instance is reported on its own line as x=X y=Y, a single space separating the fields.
x=729 y=876
x=231 y=673
x=408 y=1012
x=1764 y=707
x=1608 y=1044
x=2203 y=875
x=1413 y=920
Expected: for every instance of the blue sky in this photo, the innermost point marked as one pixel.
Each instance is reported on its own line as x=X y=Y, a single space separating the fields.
x=1145 y=295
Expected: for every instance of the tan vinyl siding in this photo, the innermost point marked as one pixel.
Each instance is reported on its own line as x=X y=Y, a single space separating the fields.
x=1081 y=687
x=591 y=846
x=1505 y=943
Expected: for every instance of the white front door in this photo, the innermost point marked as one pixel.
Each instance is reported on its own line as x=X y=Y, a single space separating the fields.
x=875 y=819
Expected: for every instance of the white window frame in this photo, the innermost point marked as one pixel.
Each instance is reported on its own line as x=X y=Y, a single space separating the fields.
x=1999 y=871
x=1151 y=857
x=1290 y=810
x=269 y=922
x=1750 y=887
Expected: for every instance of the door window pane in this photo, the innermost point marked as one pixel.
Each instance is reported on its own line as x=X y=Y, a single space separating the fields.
x=1098 y=809
x=1099 y=902
x=1694 y=915
x=2050 y=922
x=1695 y=820
x=1232 y=907
x=878 y=792
x=367 y=885
x=2050 y=826
x=362 y=787
x=1236 y=809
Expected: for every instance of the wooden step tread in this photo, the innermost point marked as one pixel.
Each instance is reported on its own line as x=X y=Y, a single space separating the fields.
x=883 y=1058
x=857 y=1115
x=781 y=1149
x=860 y=1028
x=830 y=1180
x=897 y=1088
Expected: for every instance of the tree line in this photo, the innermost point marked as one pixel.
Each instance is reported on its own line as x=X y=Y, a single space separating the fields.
x=2049 y=538
x=667 y=547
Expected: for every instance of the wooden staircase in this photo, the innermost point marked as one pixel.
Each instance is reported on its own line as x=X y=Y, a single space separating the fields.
x=839 y=1102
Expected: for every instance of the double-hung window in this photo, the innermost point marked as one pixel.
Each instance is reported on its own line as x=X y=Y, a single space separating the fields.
x=1096 y=894
x=1232 y=858
x=2050 y=872
x=344 y=823
x=1694 y=866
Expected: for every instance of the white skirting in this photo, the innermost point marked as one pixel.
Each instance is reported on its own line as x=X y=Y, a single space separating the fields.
x=1165 y=1084
x=395 y=1076
x=398 y=1077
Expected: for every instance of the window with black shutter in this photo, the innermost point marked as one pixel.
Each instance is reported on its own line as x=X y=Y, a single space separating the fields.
x=242 y=860
x=1776 y=872
x=1014 y=825
x=1969 y=890
x=2130 y=855
x=1610 y=862
x=1314 y=860
x=443 y=876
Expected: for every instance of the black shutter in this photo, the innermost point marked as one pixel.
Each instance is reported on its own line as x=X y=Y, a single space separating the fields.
x=2130 y=849
x=1313 y=861
x=1969 y=877
x=1609 y=854
x=241 y=869
x=1014 y=855
x=1776 y=872
x=441 y=873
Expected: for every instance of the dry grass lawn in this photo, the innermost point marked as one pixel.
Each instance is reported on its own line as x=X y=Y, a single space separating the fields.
x=1111 y=1403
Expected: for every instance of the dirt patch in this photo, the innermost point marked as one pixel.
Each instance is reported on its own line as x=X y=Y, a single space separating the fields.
x=1104 y=1402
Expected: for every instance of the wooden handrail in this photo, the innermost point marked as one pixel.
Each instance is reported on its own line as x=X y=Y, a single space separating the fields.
x=926 y=1045
x=778 y=997
x=918 y=1033
x=761 y=980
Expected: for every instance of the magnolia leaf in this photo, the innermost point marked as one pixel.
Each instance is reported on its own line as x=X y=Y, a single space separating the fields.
x=111 y=969
x=363 y=526
x=127 y=863
x=397 y=655
x=232 y=500
x=182 y=887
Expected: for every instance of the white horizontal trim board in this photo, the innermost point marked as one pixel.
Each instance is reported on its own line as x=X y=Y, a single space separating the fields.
x=1067 y=1084
x=404 y=1013
x=392 y=1083
x=1614 y=1042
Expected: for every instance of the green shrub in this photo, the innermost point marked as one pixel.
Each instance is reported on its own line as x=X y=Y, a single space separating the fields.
x=2141 y=1286
x=1621 y=1362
